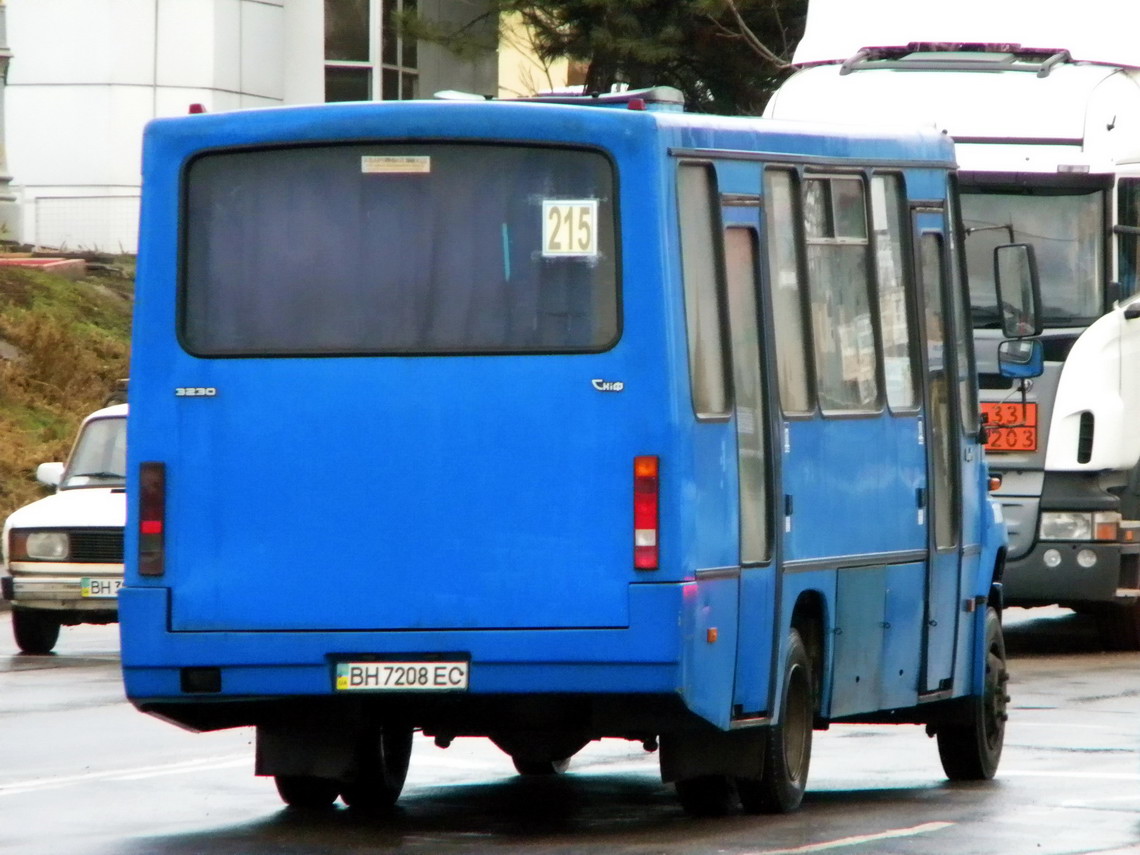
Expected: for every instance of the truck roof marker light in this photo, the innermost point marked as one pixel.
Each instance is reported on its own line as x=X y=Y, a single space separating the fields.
x=636 y=104
x=152 y=518
x=646 y=501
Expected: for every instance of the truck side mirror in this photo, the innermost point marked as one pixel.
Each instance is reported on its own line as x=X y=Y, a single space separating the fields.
x=1018 y=290
x=1021 y=358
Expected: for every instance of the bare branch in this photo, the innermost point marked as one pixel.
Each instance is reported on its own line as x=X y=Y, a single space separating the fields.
x=751 y=39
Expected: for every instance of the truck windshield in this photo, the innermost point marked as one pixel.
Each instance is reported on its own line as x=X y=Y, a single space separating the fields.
x=100 y=456
x=399 y=248
x=1066 y=229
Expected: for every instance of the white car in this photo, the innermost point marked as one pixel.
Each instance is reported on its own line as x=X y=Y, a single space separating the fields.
x=63 y=555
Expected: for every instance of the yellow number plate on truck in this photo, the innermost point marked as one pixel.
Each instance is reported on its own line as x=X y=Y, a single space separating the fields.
x=401 y=676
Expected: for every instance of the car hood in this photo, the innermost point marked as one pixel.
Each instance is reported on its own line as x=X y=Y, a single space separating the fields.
x=93 y=507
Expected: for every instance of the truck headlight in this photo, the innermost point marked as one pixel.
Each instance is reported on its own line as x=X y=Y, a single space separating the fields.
x=39 y=546
x=1079 y=525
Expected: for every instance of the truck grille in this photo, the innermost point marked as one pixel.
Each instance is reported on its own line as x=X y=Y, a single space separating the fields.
x=96 y=545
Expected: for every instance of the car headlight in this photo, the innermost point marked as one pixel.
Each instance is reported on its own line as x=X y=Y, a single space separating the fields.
x=39 y=546
x=1079 y=525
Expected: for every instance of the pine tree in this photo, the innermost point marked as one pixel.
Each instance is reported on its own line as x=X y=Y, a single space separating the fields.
x=725 y=55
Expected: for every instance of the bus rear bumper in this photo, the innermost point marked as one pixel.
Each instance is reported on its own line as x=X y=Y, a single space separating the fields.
x=165 y=672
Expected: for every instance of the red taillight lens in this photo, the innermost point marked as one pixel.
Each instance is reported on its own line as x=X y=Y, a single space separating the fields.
x=646 y=491
x=152 y=518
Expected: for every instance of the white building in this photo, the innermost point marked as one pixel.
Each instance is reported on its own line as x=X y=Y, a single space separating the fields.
x=86 y=75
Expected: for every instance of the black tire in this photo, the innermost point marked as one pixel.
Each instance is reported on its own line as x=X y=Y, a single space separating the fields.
x=307 y=792
x=706 y=795
x=971 y=750
x=1119 y=625
x=787 y=752
x=540 y=767
x=384 y=760
x=36 y=631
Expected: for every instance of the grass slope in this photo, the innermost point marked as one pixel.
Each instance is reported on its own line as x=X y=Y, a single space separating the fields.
x=64 y=344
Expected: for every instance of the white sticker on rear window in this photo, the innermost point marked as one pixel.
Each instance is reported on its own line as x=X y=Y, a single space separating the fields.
x=569 y=228
x=390 y=164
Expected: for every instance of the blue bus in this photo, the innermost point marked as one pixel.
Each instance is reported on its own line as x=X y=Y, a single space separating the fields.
x=553 y=422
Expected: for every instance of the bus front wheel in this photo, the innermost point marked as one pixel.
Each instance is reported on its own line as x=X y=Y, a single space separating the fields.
x=970 y=750
x=787 y=754
x=706 y=795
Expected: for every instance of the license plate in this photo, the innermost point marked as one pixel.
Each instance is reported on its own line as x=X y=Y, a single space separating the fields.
x=1010 y=427
x=401 y=676
x=99 y=588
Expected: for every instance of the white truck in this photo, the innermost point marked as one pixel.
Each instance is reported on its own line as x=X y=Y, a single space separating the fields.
x=63 y=555
x=1043 y=103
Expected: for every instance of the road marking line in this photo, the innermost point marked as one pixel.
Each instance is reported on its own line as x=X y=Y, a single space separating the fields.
x=132 y=774
x=914 y=830
x=1088 y=776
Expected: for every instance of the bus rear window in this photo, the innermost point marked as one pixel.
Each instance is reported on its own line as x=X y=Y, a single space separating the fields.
x=399 y=248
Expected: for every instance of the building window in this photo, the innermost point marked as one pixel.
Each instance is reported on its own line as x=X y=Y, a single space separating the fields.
x=365 y=57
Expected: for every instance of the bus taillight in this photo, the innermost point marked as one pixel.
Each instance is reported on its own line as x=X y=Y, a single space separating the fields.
x=645 y=512
x=152 y=518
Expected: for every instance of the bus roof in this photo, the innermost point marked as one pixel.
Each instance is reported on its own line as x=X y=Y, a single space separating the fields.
x=1101 y=31
x=184 y=136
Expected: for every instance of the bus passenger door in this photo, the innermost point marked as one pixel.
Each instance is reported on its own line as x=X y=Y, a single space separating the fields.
x=757 y=580
x=944 y=480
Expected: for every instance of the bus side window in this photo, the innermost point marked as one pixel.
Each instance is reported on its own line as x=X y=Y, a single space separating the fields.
x=740 y=248
x=793 y=365
x=704 y=315
x=835 y=217
x=895 y=317
x=962 y=333
x=1128 y=242
x=931 y=255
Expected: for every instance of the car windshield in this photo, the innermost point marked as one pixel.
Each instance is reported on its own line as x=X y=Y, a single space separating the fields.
x=99 y=458
x=1066 y=230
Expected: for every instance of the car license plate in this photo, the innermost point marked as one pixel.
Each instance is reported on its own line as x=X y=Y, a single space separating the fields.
x=99 y=588
x=1010 y=427
x=401 y=676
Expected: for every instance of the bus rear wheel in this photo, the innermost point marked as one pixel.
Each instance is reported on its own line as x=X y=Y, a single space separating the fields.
x=307 y=792
x=383 y=767
x=787 y=754
x=970 y=750
x=36 y=631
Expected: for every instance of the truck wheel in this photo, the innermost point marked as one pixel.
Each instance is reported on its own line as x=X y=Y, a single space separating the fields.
x=970 y=750
x=306 y=791
x=383 y=763
x=787 y=755
x=36 y=631
x=1119 y=625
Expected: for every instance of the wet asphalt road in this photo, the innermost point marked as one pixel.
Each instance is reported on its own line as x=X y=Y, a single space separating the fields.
x=82 y=773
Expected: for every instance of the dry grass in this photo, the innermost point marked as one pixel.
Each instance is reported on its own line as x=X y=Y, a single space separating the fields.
x=71 y=342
